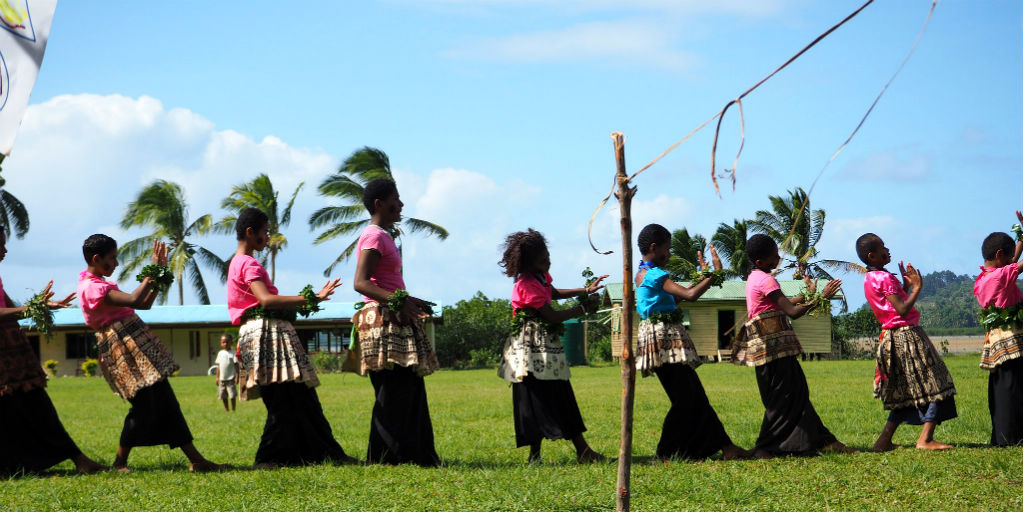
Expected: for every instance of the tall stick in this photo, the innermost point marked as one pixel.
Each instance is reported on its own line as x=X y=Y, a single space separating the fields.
x=625 y=196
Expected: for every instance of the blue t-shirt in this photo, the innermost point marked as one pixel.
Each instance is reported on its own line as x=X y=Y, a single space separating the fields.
x=651 y=297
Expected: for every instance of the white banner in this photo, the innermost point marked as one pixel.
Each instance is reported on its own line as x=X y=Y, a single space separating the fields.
x=24 y=29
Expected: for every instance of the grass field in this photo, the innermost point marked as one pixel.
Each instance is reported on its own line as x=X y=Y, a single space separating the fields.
x=472 y=411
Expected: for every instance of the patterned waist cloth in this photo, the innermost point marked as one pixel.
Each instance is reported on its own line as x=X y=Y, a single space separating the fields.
x=765 y=338
x=386 y=339
x=19 y=366
x=270 y=352
x=533 y=350
x=909 y=372
x=661 y=342
x=132 y=357
x=1001 y=345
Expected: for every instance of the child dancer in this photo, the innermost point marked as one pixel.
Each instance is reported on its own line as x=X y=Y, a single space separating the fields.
x=691 y=428
x=767 y=342
x=32 y=437
x=133 y=360
x=998 y=294
x=394 y=347
x=277 y=367
x=533 y=359
x=910 y=378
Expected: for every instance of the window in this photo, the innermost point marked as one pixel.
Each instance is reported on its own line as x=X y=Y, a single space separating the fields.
x=195 y=349
x=325 y=340
x=80 y=345
x=726 y=328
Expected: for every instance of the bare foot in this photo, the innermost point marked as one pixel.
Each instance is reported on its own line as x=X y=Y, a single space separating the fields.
x=933 y=445
x=206 y=466
x=121 y=469
x=85 y=465
x=762 y=454
x=881 y=447
x=588 y=455
x=732 y=452
x=837 y=447
x=534 y=459
x=265 y=465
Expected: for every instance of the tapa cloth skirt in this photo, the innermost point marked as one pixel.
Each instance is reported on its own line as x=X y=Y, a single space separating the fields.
x=386 y=341
x=765 y=338
x=270 y=352
x=400 y=427
x=691 y=429
x=296 y=431
x=132 y=357
x=1004 y=403
x=1001 y=345
x=155 y=418
x=545 y=409
x=533 y=351
x=32 y=438
x=20 y=370
x=660 y=343
x=790 y=424
x=909 y=371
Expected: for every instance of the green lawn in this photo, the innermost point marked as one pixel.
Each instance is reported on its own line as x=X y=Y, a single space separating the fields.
x=484 y=471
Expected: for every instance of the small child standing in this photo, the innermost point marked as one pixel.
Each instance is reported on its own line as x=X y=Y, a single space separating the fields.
x=910 y=377
x=533 y=359
x=1000 y=298
x=767 y=342
x=691 y=428
x=227 y=373
x=133 y=360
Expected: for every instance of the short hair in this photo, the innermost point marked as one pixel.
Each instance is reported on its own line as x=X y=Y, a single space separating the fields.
x=227 y=335
x=652 y=234
x=380 y=188
x=520 y=248
x=250 y=218
x=868 y=242
x=759 y=247
x=993 y=243
x=98 y=244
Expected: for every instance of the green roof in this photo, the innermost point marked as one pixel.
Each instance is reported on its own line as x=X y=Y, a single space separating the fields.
x=730 y=290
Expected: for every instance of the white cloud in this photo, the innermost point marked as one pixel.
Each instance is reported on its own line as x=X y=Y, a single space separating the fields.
x=79 y=159
x=896 y=165
x=618 y=43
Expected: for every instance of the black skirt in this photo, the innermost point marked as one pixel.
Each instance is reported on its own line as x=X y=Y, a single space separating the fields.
x=934 y=412
x=790 y=425
x=1004 y=403
x=545 y=409
x=400 y=427
x=691 y=429
x=296 y=431
x=155 y=418
x=32 y=437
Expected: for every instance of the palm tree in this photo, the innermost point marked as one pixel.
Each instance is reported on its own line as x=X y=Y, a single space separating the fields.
x=798 y=229
x=684 y=254
x=731 y=244
x=347 y=183
x=161 y=206
x=12 y=209
x=260 y=194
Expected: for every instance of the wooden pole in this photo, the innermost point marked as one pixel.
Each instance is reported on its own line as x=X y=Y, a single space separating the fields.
x=625 y=196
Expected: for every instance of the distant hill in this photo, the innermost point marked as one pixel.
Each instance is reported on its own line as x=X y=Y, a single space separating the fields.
x=947 y=301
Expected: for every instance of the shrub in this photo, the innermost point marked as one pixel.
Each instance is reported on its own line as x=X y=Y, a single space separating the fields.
x=51 y=366
x=483 y=358
x=601 y=349
x=89 y=367
x=327 y=362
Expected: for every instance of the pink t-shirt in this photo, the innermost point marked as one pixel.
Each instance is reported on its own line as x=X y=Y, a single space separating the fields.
x=242 y=271
x=877 y=285
x=529 y=292
x=998 y=286
x=92 y=289
x=759 y=285
x=388 y=274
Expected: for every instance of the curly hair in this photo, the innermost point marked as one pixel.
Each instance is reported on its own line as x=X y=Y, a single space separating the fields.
x=380 y=188
x=652 y=234
x=759 y=247
x=250 y=218
x=520 y=249
x=867 y=243
x=98 y=244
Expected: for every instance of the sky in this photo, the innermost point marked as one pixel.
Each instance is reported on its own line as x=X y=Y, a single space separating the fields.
x=496 y=116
